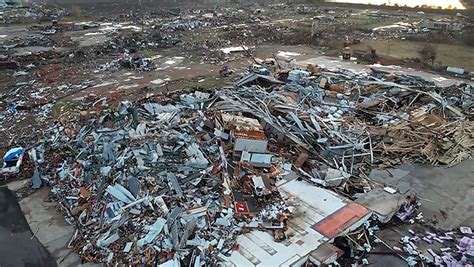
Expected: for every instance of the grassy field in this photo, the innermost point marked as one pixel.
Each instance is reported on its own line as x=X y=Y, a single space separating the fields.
x=448 y=54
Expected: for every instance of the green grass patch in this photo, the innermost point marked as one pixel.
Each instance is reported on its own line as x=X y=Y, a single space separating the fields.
x=61 y=107
x=208 y=83
x=75 y=18
x=447 y=54
x=368 y=23
x=147 y=53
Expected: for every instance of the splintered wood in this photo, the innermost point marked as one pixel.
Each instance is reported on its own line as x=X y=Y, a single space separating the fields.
x=447 y=144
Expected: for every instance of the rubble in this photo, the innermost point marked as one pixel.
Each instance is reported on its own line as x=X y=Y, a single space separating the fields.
x=182 y=178
x=150 y=189
x=129 y=62
x=273 y=166
x=456 y=251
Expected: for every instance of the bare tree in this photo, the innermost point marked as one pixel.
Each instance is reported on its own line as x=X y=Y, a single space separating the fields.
x=76 y=11
x=469 y=37
x=428 y=53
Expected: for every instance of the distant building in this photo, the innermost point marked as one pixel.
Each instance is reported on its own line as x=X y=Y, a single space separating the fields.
x=441 y=25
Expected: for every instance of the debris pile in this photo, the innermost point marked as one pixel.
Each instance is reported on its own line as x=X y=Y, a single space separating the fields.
x=178 y=178
x=23 y=13
x=151 y=174
x=200 y=177
x=182 y=25
x=456 y=248
x=128 y=61
x=353 y=115
x=423 y=244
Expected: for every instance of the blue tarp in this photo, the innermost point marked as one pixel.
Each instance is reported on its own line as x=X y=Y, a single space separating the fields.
x=13 y=153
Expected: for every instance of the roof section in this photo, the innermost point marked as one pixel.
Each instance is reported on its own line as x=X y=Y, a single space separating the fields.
x=310 y=227
x=341 y=220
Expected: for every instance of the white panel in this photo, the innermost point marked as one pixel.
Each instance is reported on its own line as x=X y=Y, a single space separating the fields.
x=258 y=146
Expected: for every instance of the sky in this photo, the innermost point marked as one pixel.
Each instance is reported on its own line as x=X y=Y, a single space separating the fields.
x=443 y=3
